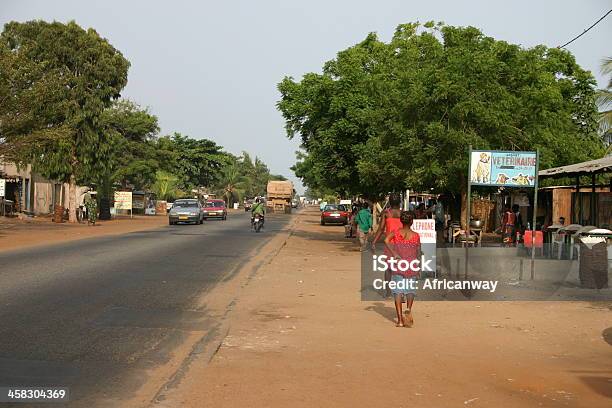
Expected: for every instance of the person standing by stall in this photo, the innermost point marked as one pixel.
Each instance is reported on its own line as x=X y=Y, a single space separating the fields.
x=440 y=219
x=518 y=224
x=508 y=227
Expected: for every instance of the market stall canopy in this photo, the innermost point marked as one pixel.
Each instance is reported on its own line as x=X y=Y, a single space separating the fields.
x=602 y=165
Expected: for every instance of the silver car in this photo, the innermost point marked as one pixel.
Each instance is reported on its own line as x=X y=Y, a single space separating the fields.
x=185 y=210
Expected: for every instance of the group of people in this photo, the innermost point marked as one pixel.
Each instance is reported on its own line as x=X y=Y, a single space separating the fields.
x=401 y=242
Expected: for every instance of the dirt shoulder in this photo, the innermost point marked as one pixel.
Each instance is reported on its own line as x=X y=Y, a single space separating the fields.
x=23 y=233
x=300 y=336
x=16 y=233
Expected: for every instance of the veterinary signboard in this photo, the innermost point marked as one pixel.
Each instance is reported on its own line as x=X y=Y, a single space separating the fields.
x=503 y=168
x=2 y=187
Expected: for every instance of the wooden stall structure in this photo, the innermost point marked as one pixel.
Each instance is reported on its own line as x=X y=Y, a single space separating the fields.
x=585 y=207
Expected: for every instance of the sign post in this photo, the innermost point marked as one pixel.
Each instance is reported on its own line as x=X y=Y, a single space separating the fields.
x=123 y=201
x=469 y=195
x=468 y=211
x=426 y=228
x=535 y=210
x=2 y=193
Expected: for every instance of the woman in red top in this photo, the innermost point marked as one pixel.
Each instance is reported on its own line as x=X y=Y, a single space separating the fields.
x=388 y=223
x=404 y=244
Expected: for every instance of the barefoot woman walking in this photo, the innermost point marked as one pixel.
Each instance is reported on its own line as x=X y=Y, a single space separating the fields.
x=404 y=244
x=389 y=222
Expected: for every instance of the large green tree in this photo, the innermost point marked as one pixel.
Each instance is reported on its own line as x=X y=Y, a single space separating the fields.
x=243 y=177
x=135 y=160
x=197 y=162
x=92 y=74
x=31 y=104
x=388 y=116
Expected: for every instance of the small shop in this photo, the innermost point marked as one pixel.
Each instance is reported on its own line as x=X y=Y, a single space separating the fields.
x=27 y=192
x=581 y=204
x=579 y=212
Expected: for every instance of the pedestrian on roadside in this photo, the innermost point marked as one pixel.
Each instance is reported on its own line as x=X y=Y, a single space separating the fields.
x=518 y=223
x=350 y=227
x=92 y=209
x=363 y=220
x=440 y=218
x=508 y=227
x=404 y=243
x=388 y=223
x=420 y=213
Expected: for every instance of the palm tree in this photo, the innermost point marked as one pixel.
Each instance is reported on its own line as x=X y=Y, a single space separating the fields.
x=165 y=186
x=604 y=101
x=231 y=183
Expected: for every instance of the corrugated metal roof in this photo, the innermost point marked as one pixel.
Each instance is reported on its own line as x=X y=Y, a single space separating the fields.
x=593 y=166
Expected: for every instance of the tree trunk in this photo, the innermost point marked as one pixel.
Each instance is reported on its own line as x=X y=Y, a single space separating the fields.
x=463 y=207
x=72 y=199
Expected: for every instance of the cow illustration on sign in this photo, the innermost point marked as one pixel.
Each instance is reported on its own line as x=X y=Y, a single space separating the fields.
x=482 y=172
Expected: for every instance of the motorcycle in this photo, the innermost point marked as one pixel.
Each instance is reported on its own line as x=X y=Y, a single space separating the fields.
x=257 y=222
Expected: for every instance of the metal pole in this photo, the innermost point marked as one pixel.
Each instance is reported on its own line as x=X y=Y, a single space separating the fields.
x=408 y=199
x=593 y=197
x=469 y=193
x=468 y=209
x=535 y=212
x=579 y=218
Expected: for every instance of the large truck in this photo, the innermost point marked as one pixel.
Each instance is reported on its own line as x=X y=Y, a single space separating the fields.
x=280 y=194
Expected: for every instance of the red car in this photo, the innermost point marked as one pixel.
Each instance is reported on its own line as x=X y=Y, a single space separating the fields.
x=335 y=214
x=215 y=209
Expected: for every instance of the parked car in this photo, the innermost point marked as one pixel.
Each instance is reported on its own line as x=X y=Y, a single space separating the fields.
x=215 y=209
x=335 y=214
x=186 y=210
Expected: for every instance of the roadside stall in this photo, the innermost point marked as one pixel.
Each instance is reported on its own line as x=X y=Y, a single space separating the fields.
x=515 y=174
x=588 y=234
x=589 y=204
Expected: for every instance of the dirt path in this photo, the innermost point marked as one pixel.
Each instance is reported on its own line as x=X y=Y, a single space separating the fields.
x=16 y=234
x=301 y=337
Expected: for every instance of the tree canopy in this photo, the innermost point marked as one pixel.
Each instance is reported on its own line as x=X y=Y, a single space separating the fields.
x=60 y=112
x=79 y=74
x=388 y=116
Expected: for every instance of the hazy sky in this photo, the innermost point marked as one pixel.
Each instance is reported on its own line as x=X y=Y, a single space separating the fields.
x=210 y=69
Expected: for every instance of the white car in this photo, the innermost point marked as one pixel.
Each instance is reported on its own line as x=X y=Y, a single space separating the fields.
x=186 y=210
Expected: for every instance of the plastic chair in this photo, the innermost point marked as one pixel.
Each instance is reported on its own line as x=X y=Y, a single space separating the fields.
x=558 y=239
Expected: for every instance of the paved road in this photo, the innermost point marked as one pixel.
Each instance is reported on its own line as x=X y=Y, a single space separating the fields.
x=97 y=314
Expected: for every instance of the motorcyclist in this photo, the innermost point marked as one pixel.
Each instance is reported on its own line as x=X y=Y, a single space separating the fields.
x=258 y=209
